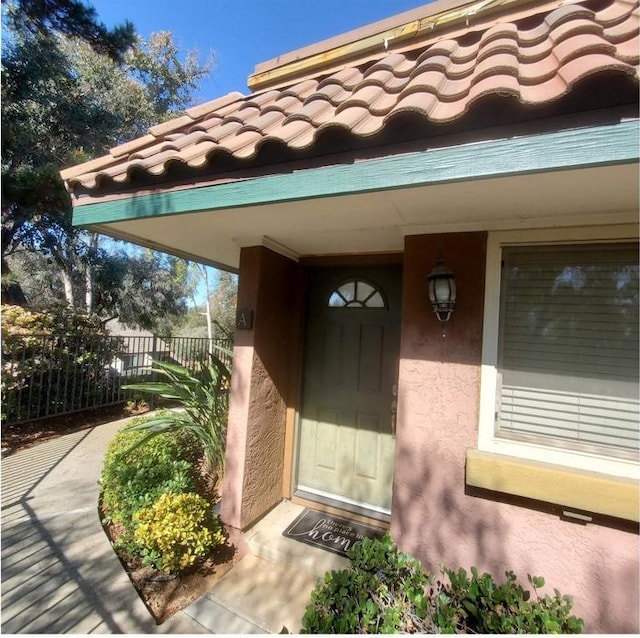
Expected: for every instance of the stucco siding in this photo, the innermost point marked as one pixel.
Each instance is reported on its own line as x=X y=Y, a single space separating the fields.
x=434 y=515
x=260 y=387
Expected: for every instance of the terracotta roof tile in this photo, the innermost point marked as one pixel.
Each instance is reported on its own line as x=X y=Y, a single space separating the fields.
x=624 y=30
x=385 y=78
x=297 y=133
x=170 y=126
x=616 y=12
x=347 y=78
x=264 y=122
x=536 y=62
x=334 y=94
x=418 y=102
x=224 y=131
x=303 y=89
x=285 y=104
x=628 y=51
x=213 y=105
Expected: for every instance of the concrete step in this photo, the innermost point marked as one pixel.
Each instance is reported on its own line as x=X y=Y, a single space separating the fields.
x=265 y=540
x=256 y=596
x=269 y=588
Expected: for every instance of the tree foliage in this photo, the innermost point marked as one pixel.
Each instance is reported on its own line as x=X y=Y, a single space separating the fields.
x=223 y=302
x=73 y=18
x=143 y=288
x=71 y=89
x=45 y=121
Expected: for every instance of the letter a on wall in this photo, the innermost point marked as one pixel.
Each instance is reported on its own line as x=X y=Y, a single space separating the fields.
x=244 y=319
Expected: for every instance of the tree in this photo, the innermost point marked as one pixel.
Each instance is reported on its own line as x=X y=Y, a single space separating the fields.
x=42 y=120
x=141 y=288
x=223 y=302
x=215 y=318
x=73 y=18
x=150 y=293
x=63 y=101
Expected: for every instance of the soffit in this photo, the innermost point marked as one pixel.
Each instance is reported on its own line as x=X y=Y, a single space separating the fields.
x=378 y=221
x=536 y=62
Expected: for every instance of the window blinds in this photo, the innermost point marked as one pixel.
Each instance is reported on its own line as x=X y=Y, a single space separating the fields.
x=568 y=351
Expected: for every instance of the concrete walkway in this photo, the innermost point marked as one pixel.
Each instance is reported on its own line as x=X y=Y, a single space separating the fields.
x=60 y=574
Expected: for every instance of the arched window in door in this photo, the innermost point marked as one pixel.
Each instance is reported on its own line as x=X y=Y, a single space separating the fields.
x=357 y=294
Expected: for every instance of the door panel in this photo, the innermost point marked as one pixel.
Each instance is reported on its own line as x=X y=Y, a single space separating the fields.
x=346 y=443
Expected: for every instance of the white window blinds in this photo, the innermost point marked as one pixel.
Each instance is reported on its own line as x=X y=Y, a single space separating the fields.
x=568 y=354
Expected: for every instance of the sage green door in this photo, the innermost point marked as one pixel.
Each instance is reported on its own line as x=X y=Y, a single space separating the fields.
x=346 y=438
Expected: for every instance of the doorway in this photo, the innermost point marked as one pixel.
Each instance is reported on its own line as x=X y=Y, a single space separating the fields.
x=349 y=385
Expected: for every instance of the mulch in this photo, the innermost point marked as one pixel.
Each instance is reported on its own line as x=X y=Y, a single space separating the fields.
x=163 y=594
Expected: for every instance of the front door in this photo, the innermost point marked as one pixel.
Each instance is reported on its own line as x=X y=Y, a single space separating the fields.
x=346 y=435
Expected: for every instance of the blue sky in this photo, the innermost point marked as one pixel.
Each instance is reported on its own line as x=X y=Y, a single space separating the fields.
x=242 y=33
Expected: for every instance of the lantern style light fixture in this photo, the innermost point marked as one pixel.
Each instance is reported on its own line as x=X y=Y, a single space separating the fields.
x=442 y=292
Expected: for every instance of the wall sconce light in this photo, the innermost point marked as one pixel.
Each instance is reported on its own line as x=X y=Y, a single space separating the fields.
x=442 y=292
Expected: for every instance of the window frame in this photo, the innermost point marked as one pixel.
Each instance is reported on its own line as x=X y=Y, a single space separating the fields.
x=488 y=439
x=360 y=305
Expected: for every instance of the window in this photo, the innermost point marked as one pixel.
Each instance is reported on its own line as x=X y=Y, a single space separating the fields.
x=568 y=347
x=560 y=350
x=357 y=294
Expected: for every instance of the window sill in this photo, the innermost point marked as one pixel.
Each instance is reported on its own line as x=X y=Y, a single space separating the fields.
x=572 y=488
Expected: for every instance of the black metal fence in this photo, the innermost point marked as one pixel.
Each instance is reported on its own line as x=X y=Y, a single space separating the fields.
x=53 y=375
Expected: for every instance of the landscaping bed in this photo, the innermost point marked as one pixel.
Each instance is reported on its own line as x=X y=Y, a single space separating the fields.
x=163 y=594
x=157 y=509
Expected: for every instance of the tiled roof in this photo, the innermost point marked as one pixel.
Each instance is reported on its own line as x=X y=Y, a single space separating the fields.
x=536 y=61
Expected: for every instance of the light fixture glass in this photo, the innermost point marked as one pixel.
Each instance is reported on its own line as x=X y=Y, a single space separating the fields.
x=442 y=292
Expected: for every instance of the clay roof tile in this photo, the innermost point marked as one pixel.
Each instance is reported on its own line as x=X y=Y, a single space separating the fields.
x=202 y=110
x=535 y=60
x=616 y=12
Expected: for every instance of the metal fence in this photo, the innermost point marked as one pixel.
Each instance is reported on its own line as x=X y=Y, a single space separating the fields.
x=54 y=375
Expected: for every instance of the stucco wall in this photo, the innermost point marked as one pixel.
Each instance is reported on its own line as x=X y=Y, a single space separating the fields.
x=434 y=516
x=260 y=386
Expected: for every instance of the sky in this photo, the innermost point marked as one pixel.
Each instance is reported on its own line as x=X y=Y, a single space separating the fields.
x=243 y=33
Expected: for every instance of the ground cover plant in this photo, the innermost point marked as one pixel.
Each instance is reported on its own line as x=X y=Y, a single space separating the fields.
x=157 y=508
x=386 y=591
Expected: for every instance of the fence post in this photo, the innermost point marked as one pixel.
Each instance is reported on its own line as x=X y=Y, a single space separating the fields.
x=154 y=356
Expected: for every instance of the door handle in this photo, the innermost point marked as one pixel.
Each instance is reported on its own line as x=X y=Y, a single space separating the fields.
x=394 y=409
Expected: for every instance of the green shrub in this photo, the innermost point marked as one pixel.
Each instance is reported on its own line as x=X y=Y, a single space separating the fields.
x=204 y=397
x=382 y=592
x=386 y=591
x=477 y=604
x=176 y=530
x=135 y=477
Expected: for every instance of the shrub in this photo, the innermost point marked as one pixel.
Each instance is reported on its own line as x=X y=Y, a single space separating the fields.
x=476 y=604
x=382 y=592
x=134 y=476
x=204 y=398
x=52 y=362
x=176 y=530
x=386 y=591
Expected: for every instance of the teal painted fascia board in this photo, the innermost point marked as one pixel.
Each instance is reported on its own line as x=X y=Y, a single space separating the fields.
x=562 y=150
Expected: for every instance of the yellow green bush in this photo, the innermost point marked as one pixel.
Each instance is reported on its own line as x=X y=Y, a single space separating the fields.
x=176 y=530
x=134 y=477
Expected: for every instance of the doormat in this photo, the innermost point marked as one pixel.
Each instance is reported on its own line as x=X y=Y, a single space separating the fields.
x=329 y=532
